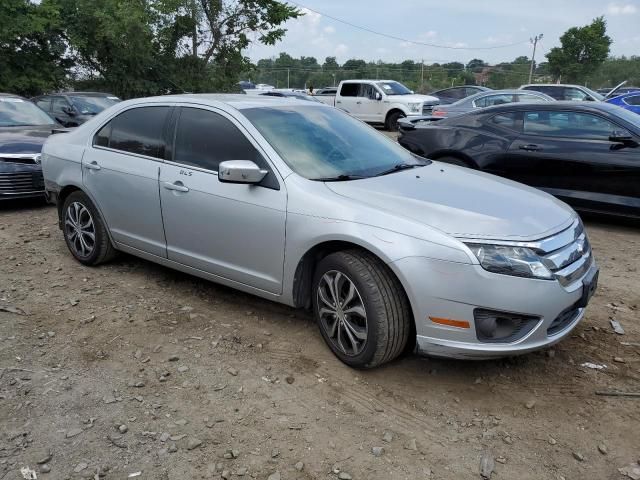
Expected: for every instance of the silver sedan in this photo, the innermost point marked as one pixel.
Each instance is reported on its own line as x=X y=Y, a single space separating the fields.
x=489 y=99
x=301 y=204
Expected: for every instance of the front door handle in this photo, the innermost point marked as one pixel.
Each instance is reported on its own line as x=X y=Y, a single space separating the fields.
x=177 y=186
x=358 y=103
x=530 y=147
x=338 y=101
x=93 y=166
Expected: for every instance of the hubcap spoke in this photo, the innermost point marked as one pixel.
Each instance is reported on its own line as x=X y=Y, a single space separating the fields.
x=80 y=229
x=346 y=328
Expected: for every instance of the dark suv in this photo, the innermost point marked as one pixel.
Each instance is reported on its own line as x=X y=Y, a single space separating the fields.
x=74 y=108
x=23 y=130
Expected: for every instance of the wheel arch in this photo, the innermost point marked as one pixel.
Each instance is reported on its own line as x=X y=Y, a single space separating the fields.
x=391 y=111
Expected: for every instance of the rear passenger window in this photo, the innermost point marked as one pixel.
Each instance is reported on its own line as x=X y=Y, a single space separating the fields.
x=507 y=120
x=138 y=130
x=635 y=100
x=349 y=89
x=204 y=139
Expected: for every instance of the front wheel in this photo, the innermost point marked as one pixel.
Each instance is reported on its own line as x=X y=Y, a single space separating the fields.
x=361 y=309
x=392 y=121
x=84 y=231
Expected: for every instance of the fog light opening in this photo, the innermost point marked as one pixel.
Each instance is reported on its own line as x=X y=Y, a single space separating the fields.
x=492 y=326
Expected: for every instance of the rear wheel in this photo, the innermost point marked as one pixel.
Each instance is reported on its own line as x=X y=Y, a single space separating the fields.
x=84 y=231
x=361 y=309
x=392 y=121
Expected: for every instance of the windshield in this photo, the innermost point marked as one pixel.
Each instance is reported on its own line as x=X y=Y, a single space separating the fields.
x=92 y=105
x=393 y=88
x=326 y=143
x=16 y=112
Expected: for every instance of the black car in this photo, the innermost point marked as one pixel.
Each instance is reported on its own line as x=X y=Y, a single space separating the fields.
x=586 y=154
x=23 y=130
x=74 y=108
x=453 y=94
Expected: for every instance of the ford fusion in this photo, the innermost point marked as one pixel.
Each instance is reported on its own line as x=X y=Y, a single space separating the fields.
x=304 y=205
x=23 y=130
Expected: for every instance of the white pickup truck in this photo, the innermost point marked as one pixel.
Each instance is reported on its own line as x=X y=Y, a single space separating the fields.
x=379 y=101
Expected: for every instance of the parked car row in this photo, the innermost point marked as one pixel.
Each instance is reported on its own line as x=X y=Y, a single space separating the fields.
x=586 y=154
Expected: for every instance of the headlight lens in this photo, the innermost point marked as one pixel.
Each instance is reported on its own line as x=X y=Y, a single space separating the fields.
x=516 y=261
x=415 y=107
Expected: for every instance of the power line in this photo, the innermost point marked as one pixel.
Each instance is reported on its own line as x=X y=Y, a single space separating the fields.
x=393 y=37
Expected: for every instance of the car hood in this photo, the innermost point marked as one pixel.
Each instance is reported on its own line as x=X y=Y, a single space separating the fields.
x=24 y=139
x=462 y=202
x=413 y=98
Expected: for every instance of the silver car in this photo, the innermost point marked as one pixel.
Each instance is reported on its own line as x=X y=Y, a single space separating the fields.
x=488 y=99
x=301 y=204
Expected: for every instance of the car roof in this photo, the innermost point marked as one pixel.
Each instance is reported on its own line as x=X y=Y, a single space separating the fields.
x=551 y=85
x=13 y=95
x=235 y=100
x=556 y=105
x=80 y=94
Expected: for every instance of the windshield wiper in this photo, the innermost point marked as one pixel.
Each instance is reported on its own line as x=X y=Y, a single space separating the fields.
x=339 y=178
x=399 y=167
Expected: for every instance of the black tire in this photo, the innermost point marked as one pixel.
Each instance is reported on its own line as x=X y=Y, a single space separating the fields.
x=102 y=250
x=392 y=121
x=388 y=315
x=455 y=161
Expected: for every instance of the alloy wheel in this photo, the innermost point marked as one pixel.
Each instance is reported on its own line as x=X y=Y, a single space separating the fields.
x=342 y=313
x=80 y=229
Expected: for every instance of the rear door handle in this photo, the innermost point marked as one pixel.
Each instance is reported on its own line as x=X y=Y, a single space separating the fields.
x=93 y=166
x=338 y=101
x=530 y=147
x=177 y=186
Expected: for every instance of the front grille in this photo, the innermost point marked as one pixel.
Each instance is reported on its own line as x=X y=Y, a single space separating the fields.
x=567 y=254
x=22 y=182
x=27 y=158
x=427 y=109
x=563 y=320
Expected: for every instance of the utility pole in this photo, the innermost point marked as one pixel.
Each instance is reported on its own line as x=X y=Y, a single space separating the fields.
x=534 y=41
x=287 y=77
x=422 y=78
x=194 y=33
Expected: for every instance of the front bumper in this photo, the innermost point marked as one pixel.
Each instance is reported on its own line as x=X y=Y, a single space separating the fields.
x=440 y=289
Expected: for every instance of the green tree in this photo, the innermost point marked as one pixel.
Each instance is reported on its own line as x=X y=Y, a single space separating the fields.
x=582 y=51
x=32 y=49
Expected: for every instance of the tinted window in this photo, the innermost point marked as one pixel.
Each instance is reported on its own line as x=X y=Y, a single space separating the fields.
x=204 y=139
x=349 y=90
x=139 y=130
x=575 y=94
x=554 y=92
x=526 y=97
x=568 y=124
x=367 y=91
x=506 y=120
x=58 y=104
x=491 y=100
x=102 y=137
x=456 y=93
x=635 y=100
x=44 y=103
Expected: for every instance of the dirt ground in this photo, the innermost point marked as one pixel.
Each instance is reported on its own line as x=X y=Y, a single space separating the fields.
x=131 y=367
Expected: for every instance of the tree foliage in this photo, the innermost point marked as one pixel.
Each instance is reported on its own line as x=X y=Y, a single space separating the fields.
x=31 y=47
x=582 y=51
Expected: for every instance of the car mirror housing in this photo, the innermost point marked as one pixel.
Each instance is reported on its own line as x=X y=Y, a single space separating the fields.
x=69 y=111
x=240 y=171
x=378 y=96
x=623 y=138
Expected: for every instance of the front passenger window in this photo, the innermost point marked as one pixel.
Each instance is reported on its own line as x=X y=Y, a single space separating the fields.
x=204 y=139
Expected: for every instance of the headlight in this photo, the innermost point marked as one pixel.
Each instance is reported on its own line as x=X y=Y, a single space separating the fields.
x=415 y=107
x=516 y=261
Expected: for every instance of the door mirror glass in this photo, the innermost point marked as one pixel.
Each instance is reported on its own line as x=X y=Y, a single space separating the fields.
x=240 y=171
x=69 y=111
x=378 y=96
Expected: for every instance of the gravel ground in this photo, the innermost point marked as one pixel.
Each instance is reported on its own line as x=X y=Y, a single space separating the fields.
x=131 y=367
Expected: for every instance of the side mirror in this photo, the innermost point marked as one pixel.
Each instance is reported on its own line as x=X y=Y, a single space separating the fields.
x=378 y=96
x=69 y=111
x=240 y=171
x=623 y=138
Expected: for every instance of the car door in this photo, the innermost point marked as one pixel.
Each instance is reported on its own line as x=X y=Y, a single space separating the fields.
x=348 y=97
x=368 y=108
x=234 y=231
x=572 y=156
x=120 y=172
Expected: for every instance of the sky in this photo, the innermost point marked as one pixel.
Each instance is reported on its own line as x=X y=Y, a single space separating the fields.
x=453 y=23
